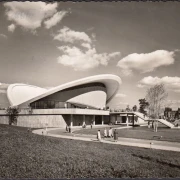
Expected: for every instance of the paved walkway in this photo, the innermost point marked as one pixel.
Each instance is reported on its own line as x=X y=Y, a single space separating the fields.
x=153 y=144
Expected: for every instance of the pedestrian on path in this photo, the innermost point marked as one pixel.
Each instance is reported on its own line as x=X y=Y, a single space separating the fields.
x=115 y=135
x=149 y=124
x=69 y=129
x=66 y=128
x=155 y=125
x=110 y=132
x=99 y=135
x=91 y=125
x=105 y=132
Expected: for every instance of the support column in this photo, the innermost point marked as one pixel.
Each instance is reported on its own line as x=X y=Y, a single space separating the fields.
x=71 y=123
x=102 y=120
x=93 y=119
x=83 y=120
x=127 y=120
x=116 y=119
x=133 y=120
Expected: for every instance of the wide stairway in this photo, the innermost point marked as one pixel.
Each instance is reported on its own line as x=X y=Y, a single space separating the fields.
x=163 y=121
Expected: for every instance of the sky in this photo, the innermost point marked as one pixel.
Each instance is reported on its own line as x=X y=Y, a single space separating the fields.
x=48 y=44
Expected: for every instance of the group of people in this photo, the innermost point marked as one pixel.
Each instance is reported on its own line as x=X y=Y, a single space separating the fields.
x=108 y=133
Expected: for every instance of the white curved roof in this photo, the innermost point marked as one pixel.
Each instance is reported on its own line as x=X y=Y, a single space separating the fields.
x=19 y=94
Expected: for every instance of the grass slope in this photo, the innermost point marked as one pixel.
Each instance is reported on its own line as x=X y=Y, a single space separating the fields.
x=26 y=155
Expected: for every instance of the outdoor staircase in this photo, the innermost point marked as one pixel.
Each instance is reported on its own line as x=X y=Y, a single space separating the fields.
x=163 y=121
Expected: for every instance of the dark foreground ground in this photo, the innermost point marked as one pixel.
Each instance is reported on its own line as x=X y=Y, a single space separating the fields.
x=26 y=155
x=164 y=133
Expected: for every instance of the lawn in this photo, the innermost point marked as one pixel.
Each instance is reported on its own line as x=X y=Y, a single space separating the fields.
x=143 y=132
x=27 y=155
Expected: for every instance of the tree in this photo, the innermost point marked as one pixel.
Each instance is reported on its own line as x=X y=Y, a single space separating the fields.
x=134 y=108
x=143 y=104
x=127 y=108
x=156 y=96
x=13 y=114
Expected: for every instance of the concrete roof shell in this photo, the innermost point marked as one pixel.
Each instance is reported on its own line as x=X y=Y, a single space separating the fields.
x=33 y=93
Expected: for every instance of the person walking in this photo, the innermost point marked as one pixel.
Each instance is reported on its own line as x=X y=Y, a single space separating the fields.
x=69 y=129
x=155 y=125
x=105 y=132
x=99 y=135
x=110 y=132
x=115 y=135
x=91 y=125
x=148 y=124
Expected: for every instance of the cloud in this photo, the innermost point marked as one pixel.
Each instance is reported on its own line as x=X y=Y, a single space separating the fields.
x=120 y=95
x=56 y=18
x=86 y=45
x=29 y=15
x=146 y=62
x=171 y=83
x=84 y=56
x=3 y=36
x=68 y=35
x=11 y=28
x=81 y=61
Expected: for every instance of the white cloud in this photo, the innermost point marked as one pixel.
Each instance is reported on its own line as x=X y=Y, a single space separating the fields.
x=86 y=45
x=146 y=62
x=56 y=18
x=171 y=83
x=3 y=36
x=29 y=15
x=121 y=95
x=68 y=35
x=80 y=61
x=11 y=28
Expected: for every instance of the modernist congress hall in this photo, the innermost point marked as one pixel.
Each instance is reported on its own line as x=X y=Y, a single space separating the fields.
x=74 y=103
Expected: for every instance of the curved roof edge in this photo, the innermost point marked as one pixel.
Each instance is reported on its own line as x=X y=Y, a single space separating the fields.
x=29 y=96
x=112 y=83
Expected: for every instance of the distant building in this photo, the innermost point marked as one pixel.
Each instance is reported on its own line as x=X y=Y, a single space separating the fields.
x=171 y=114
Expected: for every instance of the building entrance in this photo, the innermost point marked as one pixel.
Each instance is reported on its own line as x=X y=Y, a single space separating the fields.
x=98 y=120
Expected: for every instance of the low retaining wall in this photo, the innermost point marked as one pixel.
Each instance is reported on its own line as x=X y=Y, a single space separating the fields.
x=36 y=121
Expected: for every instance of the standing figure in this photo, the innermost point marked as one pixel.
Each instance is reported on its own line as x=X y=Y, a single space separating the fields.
x=155 y=125
x=110 y=132
x=99 y=135
x=148 y=124
x=115 y=135
x=105 y=132
x=69 y=129
x=91 y=125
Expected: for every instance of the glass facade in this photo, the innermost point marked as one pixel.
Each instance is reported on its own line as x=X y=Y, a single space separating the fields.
x=51 y=104
x=58 y=99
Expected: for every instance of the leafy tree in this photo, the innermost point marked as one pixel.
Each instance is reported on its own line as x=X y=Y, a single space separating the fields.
x=13 y=114
x=134 y=108
x=127 y=108
x=143 y=104
x=156 y=96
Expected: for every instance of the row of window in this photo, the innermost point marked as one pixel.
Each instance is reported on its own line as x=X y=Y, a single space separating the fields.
x=51 y=104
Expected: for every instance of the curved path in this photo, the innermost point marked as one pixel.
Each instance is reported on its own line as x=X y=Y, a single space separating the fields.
x=153 y=144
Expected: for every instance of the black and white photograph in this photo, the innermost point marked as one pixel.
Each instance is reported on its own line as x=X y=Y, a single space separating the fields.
x=89 y=89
